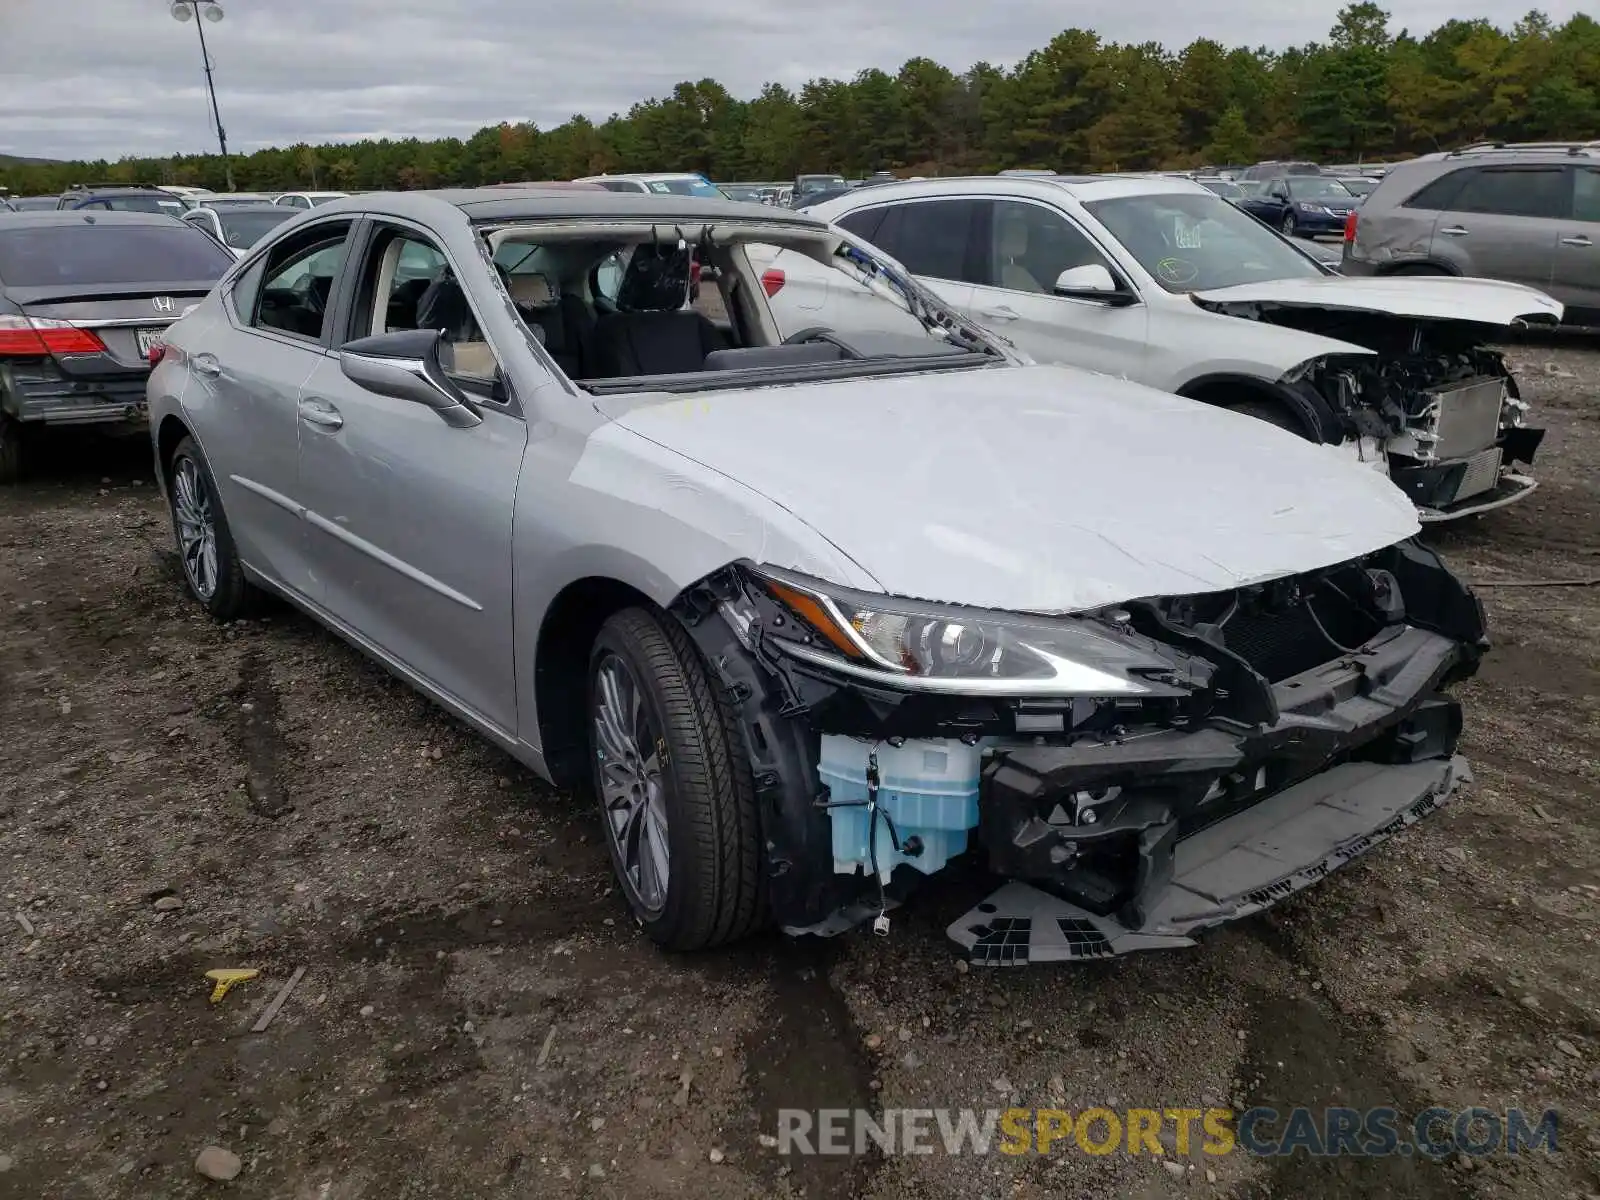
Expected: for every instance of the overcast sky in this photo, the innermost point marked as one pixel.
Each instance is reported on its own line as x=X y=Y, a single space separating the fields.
x=90 y=78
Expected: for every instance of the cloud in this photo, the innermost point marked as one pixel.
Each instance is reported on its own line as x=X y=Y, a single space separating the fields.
x=93 y=78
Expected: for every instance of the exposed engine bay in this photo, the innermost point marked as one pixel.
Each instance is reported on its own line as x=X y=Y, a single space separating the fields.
x=1439 y=400
x=1248 y=742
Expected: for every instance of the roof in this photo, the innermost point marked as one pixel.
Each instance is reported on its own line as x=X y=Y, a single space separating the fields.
x=493 y=204
x=76 y=216
x=229 y=210
x=643 y=175
x=1081 y=187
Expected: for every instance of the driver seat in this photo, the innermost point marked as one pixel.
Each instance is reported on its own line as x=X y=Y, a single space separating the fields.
x=652 y=333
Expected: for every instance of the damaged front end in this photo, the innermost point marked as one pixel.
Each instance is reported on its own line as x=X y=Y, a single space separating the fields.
x=1137 y=774
x=1440 y=401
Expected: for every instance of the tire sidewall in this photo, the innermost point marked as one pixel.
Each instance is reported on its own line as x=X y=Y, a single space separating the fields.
x=680 y=848
x=228 y=598
x=1290 y=227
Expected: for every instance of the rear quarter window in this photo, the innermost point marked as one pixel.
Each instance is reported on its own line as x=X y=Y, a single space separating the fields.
x=1439 y=194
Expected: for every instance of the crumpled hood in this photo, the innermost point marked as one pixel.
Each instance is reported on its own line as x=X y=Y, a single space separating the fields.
x=1035 y=488
x=1438 y=298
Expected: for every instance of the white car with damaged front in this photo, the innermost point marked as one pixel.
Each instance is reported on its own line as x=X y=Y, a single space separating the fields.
x=1165 y=283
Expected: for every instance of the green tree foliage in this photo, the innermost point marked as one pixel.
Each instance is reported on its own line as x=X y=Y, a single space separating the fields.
x=1078 y=103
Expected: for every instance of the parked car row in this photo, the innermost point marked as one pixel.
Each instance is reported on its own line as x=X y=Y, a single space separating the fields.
x=1062 y=522
x=168 y=198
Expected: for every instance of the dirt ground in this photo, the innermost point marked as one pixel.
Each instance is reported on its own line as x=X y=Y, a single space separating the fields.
x=479 y=1018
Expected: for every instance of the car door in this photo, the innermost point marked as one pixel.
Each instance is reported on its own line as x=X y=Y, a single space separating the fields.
x=1506 y=222
x=1575 y=280
x=408 y=518
x=246 y=388
x=1270 y=203
x=1027 y=245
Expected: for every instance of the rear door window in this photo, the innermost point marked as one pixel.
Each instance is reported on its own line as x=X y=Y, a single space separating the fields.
x=1516 y=192
x=1438 y=195
x=1586 y=194
x=109 y=254
x=931 y=237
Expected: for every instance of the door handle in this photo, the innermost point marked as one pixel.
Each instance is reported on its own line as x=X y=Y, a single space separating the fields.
x=320 y=413
x=1003 y=313
x=1455 y=230
x=206 y=364
x=1580 y=240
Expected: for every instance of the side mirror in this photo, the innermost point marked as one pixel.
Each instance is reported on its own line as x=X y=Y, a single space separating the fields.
x=406 y=365
x=1092 y=282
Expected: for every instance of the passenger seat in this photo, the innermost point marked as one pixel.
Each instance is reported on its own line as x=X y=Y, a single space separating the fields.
x=652 y=333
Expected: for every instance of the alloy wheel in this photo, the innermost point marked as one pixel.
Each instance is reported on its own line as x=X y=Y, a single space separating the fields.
x=632 y=790
x=196 y=526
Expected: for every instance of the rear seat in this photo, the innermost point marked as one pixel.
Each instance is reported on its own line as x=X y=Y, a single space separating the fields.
x=561 y=336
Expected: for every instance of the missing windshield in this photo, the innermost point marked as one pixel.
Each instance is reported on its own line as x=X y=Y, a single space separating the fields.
x=639 y=306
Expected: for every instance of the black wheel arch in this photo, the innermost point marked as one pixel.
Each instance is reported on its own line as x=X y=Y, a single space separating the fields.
x=1225 y=389
x=1414 y=264
x=560 y=671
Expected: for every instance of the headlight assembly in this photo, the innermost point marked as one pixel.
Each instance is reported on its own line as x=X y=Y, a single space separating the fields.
x=942 y=648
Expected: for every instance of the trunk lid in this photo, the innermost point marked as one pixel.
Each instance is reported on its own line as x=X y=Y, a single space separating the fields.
x=123 y=316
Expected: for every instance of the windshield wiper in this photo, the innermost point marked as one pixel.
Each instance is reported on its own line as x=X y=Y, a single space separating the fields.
x=934 y=316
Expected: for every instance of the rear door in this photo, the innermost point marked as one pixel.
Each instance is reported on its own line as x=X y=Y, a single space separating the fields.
x=245 y=389
x=1506 y=221
x=1576 y=278
x=1027 y=245
x=409 y=519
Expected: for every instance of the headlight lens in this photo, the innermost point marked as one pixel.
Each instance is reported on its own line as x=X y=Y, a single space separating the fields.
x=929 y=647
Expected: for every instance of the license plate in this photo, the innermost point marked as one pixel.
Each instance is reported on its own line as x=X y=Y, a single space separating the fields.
x=148 y=338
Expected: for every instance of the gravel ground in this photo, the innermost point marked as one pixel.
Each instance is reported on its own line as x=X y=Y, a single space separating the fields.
x=478 y=1017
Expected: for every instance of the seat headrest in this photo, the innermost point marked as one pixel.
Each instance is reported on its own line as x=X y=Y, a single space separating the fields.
x=533 y=290
x=657 y=279
x=1013 y=239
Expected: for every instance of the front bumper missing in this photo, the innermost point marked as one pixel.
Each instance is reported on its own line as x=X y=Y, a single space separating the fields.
x=1229 y=870
x=1510 y=488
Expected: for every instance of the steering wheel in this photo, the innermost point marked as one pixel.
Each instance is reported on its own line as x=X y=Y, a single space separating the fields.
x=811 y=333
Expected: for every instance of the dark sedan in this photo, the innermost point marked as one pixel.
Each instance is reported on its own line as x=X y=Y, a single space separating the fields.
x=84 y=297
x=1302 y=205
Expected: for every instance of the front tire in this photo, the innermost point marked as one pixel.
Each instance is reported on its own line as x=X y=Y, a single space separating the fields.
x=674 y=786
x=1290 y=227
x=211 y=566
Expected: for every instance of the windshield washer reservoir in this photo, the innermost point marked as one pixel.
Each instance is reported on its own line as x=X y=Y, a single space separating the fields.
x=927 y=788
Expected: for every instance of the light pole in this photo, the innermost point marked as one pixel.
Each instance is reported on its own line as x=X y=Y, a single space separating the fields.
x=211 y=10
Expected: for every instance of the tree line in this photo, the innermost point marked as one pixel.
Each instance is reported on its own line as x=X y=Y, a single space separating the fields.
x=1078 y=104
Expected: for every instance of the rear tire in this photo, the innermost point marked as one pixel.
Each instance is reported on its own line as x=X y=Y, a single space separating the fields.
x=10 y=451
x=1419 y=269
x=675 y=747
x=210 y=562
x=1273 y=414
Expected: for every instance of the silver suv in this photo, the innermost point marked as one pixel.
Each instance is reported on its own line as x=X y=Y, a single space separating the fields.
x=1526 y=212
